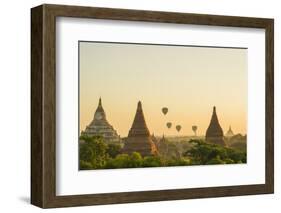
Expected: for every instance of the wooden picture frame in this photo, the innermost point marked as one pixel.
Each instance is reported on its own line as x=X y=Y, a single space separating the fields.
x=43 y=105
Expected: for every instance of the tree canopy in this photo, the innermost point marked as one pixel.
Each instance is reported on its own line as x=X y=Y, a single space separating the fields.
x=203 y=153
x=92 y=152
x=95 y=153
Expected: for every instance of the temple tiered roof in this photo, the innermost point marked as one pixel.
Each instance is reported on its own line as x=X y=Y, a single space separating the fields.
x=100 y=126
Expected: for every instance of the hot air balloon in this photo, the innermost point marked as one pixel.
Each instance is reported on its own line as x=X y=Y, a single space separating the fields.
x=164 y=110
x=194 y=129
x=169 y=124
x=178 y=127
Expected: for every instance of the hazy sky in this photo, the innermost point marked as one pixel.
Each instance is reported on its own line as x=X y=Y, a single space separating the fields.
x=187 y=80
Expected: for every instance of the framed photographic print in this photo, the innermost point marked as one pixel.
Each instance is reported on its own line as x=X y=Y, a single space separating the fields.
x=136 y=106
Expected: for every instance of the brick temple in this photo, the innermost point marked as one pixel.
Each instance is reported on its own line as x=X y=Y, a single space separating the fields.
x=139 y=138
x=214 y=133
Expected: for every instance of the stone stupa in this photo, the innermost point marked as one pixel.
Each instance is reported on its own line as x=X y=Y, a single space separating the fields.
x=100 y=126
x=214 y=133
x=229 y=133
x=139 y=138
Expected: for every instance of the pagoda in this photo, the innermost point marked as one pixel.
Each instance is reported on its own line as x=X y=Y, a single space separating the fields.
x=139 y=138
x=229 y=133
x=100 y=126
x=154 y=139
x=214 y=133
x=162 y=146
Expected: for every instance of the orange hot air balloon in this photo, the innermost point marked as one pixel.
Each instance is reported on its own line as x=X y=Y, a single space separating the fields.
x=165 y=110
x=169 y=124
x=178 y=127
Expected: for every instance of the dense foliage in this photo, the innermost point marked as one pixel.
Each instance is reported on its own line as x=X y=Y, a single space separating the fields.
x=205 y=153
x=95 y=153
x=92 y=153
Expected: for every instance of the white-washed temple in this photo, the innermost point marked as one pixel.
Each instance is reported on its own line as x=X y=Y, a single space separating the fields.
x=101 y=127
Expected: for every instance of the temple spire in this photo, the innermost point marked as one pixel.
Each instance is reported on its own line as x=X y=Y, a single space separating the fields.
x=100 y=109
x=214 y=133
x=229 y=132
x=214 y=116
x=139 y=126
x=100 y=105
x=139 y=138
x=139 y=106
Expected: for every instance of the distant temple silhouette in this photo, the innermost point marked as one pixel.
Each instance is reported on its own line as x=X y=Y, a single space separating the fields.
x=100 y=126
x=229 y=133
x=139 y=138
x=214 y=133
x=162 y=146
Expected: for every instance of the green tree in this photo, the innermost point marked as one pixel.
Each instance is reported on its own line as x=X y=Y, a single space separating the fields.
x=125 y=161
x=92 y=152
x=121 y=161
x=216 y=160
x=237 y=155
x=113 y=150
x=152 y=161
x=205 y=153
x=135 y=160
x=177 y=162
x=84 y=165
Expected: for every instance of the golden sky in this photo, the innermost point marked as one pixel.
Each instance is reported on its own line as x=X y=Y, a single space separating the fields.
x=187 y=80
